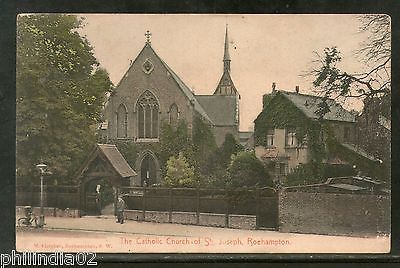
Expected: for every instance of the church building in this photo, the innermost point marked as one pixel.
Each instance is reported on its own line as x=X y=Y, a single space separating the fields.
x=151 y=93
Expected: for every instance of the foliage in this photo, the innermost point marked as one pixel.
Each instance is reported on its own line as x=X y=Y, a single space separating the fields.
x=245 y=170
x=375 y=53
x=219 y=162
x=60 y=92
x=173 y=140
x=204 y=146
x=228 y=148
x=179 y=172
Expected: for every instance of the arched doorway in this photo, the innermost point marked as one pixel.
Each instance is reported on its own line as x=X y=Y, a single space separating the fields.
x=99 y=197
x=148 y=171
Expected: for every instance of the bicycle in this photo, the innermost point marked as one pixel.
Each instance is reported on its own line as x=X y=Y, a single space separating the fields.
x=29 y=219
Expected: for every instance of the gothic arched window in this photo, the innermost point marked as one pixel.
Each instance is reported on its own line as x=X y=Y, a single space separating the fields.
x=173 y=115
x=148 y=109
x=122 y=122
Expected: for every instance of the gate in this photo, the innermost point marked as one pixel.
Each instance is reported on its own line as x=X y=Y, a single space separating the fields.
x=267 y=216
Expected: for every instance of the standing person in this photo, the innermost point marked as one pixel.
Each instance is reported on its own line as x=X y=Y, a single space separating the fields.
x=98 y=199
x=120 y=210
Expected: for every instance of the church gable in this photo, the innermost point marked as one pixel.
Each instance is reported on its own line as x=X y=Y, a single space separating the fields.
x=147 y=76
x=147 y=72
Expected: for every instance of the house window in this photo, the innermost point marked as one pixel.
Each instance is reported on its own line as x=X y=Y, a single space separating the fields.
x=148 y=110
x=122 y=122
x=270 y=137
x=282 y=169
x=291 y=140
x=173 y=115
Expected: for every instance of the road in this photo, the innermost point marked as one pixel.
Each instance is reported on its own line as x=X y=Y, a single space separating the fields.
x=105 y=235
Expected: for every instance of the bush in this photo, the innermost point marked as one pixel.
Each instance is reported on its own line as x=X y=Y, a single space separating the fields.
x=179 y=173
x=245 y=170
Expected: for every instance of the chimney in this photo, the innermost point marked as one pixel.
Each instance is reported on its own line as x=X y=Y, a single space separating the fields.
x=297 y=89
x=273 y=86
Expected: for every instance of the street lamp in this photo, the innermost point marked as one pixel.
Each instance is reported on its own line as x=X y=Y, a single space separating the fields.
x=41 y=168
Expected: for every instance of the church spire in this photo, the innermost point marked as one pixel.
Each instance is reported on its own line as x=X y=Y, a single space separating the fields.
x=225 y=85
x=227 y=58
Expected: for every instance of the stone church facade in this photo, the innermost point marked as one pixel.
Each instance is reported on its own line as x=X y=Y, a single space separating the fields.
x=151 y=93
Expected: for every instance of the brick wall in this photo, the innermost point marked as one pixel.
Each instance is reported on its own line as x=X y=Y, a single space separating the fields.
x=334 y=214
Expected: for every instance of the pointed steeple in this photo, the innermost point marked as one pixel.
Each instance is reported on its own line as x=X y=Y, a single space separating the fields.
x=225 y=85
x=227 y=58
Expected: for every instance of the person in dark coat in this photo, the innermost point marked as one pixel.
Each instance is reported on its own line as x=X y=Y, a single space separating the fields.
x=98 y=199
x=120 y=210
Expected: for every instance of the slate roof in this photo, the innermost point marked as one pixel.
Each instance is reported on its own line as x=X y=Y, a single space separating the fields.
x=308 y=104
x=220 y=108
x=187 y=91
x=348 y=187
x=116 y=160
x=386 y=123
x=360 y=151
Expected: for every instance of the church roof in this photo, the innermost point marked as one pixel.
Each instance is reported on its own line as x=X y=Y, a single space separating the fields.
x=110 y=154
x=220 y=108
x=187 y=91
x=116 y=160
x=308 y=104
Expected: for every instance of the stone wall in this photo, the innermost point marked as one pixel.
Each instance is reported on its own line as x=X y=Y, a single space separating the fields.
x=334 y=214
x=205 y=219
x=49 y=212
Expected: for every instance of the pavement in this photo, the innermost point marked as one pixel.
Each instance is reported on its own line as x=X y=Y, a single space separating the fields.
x=103 y=234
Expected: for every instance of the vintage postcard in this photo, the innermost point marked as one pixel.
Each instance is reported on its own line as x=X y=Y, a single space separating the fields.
x=203 y=133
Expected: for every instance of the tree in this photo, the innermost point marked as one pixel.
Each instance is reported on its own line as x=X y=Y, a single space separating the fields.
x=179 y=172
x=204 y=146
x=173 y=140
x=375 y=54
x=219 y=161
x=245 y=170
x=60 y=93
x=228 y=148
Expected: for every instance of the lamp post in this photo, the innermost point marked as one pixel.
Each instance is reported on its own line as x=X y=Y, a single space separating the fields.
x=41 y=168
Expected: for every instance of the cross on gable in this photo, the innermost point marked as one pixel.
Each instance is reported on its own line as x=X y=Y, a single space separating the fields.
x=148 y=36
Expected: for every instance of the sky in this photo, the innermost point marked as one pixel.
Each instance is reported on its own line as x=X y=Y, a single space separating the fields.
x=263 y=49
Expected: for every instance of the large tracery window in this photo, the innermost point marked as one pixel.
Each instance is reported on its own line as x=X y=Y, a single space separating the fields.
x=148 y=110
x=122 y=122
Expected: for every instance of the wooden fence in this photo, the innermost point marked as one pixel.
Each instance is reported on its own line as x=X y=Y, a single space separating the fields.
x=59 y=196
x=261 y=202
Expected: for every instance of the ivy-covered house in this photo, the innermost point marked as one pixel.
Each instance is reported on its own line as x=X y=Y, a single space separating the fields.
x=296 y=130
